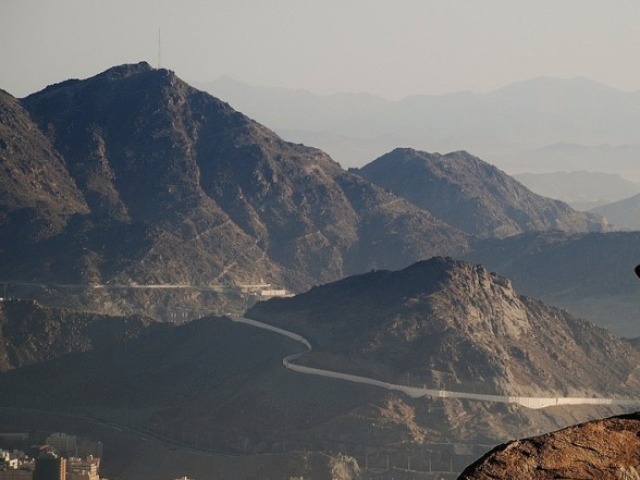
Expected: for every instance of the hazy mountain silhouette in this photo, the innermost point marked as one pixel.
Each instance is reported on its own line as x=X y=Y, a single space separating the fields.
x=624 y=214
x=581 y=189
x=498 y=125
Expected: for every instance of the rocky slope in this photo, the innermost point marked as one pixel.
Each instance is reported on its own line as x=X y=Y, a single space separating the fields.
x=472 y=195
x=590 y=274
x=174 y=186
x=38 y=197
x=604 y=449
x=449 y=323
x=30 y=333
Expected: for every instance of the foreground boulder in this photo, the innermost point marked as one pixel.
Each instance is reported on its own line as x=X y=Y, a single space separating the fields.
x=603 y=449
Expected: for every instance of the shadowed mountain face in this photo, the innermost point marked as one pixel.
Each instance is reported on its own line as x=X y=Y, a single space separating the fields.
x=557 y=264
x=37 y=195
x=30 y=333
x=604 y=449
x=181 y=188
x=472 y=195
x=446 y=322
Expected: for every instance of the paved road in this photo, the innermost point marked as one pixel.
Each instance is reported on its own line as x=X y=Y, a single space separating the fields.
x=417 y=392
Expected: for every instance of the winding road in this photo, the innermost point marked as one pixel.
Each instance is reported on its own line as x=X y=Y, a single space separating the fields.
x=417 y=392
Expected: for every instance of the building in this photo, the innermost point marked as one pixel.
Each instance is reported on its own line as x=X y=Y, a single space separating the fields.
x=50 y=467
x=83 y=468
x=73 y=446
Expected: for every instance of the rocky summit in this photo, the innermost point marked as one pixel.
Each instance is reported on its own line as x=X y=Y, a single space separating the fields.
x=472 y=195
x=607 y=449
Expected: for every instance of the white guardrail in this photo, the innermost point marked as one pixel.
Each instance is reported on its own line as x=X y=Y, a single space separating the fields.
x=417 y=392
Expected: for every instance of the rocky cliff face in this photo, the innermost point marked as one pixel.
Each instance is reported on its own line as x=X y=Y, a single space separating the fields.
x=606 y=449
x=472 y=195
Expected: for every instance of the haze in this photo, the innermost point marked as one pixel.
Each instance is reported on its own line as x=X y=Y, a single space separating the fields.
x=379 y=47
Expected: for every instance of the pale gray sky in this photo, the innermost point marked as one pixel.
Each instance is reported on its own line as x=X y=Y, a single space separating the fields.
x=391 y=48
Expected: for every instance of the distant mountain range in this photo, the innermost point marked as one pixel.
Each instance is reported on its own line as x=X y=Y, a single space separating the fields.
x=581 y=189
x=511 y=127
x=132 y=190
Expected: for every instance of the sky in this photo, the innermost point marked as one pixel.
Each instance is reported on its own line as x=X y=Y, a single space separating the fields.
x=388 y=48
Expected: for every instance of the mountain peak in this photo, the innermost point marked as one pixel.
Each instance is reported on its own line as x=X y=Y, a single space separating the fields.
x=126 y=70
x=471 y=194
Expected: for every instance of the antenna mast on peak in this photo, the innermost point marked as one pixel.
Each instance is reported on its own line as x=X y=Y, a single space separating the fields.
x=159 y=49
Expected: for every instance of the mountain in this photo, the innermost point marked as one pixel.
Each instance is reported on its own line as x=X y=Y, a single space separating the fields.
x=581 y=189
x=447 y=317
x=498 y=125
x=31 y=333
x=472 y=195
x=624 y=214
x=603 y=449
x=173 y=186
x=589 y=274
